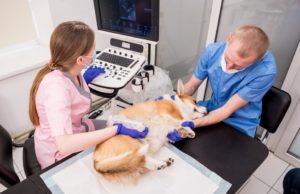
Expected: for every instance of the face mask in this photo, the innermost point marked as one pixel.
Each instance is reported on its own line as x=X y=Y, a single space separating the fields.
x=93 y=60
x=224 y=68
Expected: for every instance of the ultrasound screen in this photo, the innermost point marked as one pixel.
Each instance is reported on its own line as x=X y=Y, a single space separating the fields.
x=138 y=18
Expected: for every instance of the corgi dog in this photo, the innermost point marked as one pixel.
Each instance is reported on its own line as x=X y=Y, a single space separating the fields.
x=123 y=158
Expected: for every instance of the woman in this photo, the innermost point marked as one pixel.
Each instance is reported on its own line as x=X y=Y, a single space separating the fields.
x=60 y=98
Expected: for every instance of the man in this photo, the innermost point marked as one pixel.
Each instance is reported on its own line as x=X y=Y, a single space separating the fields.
x=241 y=70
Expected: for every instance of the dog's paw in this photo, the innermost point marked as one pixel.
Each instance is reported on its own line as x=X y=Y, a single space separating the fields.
x=162 y=165
x=201 y=109
x=191 y=134
x=170 y=161
x=166 y=163
x=186 y=132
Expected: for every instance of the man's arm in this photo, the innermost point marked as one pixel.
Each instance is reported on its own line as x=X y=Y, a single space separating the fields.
x=192 y=85
x=220 y=114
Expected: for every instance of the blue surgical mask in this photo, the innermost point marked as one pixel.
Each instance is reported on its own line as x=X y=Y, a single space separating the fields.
x=93 y=60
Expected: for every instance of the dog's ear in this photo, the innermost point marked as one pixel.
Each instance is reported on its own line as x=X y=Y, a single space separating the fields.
x=180 y=87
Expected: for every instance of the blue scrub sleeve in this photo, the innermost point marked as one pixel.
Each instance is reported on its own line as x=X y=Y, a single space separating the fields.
x=202 y=66
x=256 y=89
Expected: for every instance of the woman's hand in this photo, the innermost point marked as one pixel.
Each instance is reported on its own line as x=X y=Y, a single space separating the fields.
x=92 y=72
x=122 y=130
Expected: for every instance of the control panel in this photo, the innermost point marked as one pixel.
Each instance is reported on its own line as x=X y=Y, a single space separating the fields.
x=120 y=67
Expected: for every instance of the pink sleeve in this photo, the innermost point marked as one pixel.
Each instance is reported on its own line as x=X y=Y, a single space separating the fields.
x=85 y=86
x=58 y=107
x=89 y=123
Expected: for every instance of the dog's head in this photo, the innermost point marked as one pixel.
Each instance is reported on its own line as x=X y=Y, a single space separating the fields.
x=188 y=104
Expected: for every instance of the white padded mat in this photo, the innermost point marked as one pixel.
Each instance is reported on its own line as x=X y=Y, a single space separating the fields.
x=78 y=176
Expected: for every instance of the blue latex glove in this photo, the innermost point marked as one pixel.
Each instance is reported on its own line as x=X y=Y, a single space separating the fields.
x=122 y=130
x=189 y=124
x=159 y=98
x=174 y=136
x=92 y=72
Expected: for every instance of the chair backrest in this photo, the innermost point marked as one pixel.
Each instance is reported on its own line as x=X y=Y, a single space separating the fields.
x=274 y=106
x=30 y=162
x=8 y=176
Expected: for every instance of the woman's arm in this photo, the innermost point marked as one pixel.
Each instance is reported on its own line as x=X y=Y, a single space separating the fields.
x=68 y=144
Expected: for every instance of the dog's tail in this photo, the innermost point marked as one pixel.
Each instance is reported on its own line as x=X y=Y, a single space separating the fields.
x=125 y=167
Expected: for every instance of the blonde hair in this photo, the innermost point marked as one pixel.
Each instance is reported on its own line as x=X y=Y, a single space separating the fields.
x=253 y=40
x=68 y=41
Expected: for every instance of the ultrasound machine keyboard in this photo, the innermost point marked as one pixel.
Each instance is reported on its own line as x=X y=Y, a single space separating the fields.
x=115 y=59
x=120 y=67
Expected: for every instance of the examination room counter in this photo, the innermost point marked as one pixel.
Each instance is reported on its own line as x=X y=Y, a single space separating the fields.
x=222 y=149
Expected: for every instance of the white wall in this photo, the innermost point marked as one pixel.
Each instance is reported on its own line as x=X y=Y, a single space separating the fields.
x=15 y=87
x=66 y=10
x=14 y=95
x=14 y=90
x=81 y=10
x=18 y=68
x=13 y=26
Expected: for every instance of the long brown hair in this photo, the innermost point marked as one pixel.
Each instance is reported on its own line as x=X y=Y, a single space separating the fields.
x=68 y=41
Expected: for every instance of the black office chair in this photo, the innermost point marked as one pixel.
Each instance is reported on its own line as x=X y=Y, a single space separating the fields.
x=30 y=162
x=275 y=104
x=8 y=175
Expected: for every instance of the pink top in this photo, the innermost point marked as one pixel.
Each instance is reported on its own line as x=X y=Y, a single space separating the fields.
x=61 y=105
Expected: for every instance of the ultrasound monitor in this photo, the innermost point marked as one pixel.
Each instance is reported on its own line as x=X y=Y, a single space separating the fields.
x=137 y=18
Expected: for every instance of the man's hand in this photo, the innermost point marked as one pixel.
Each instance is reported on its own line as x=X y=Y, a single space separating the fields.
x=174 y=136
x=189 y=124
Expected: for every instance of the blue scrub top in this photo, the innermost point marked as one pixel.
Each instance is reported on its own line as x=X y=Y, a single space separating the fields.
x=251 y=84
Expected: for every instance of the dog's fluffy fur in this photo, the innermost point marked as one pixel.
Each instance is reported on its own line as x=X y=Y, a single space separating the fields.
x=122 y=158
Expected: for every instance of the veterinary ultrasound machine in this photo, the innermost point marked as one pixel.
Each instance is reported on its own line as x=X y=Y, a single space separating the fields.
x=129 y=32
